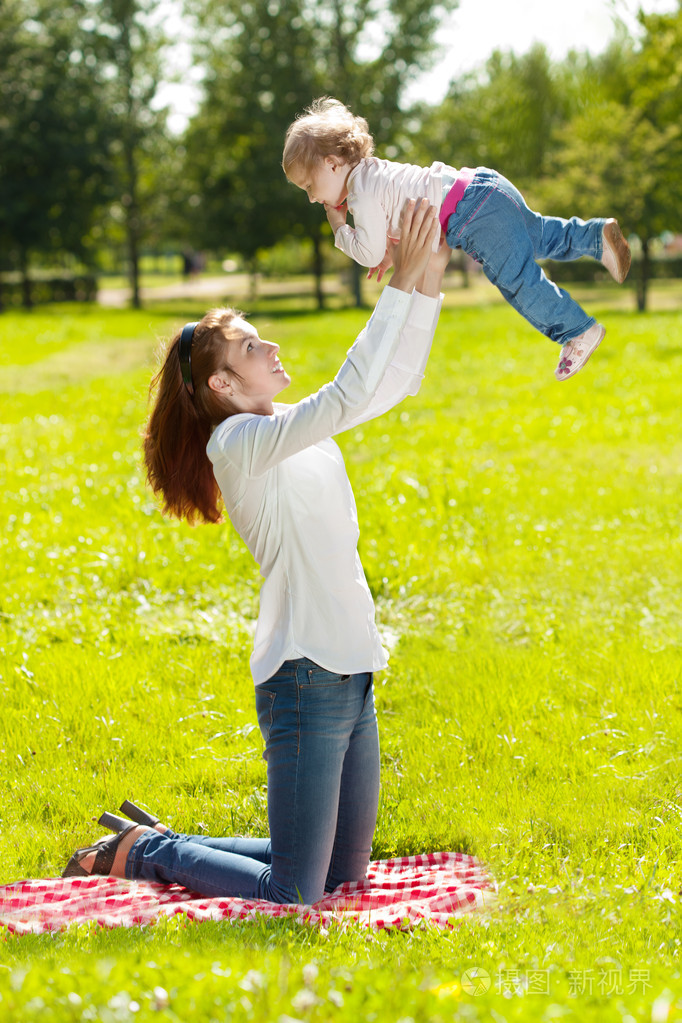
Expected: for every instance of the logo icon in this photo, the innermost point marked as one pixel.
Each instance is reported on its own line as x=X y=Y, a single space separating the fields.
x=475 y=981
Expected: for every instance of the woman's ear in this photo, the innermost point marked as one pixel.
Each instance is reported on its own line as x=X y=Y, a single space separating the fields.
x=221 y=383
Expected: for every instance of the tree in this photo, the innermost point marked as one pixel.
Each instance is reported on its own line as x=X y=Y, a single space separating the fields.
x=256 y=81
x=501 y=117
x=621 y=153
x=54 y=174
x=657 y=95
x=266 y=61
x=129 y=64
x=79 y=142
x=611 y=159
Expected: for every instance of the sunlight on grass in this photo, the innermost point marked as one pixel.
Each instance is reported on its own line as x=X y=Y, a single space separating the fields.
x=522 y=541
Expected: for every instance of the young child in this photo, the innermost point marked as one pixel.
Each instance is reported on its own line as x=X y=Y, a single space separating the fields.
x=328 y=153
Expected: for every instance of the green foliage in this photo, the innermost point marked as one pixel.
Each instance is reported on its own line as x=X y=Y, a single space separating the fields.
x=266 y=61
x=586 y=136
x=82 y=152
x=621 y=153
x=86 y=163
x=522 y=541
x=258 y=78
x=130 y=66
x=500 y=117
x=611 y=162
x=54 y=131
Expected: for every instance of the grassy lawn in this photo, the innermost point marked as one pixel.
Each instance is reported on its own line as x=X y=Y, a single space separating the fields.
x=522 y=540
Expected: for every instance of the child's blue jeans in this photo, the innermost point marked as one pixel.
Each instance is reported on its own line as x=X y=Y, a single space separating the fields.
x=322 y=752
x=494 y=225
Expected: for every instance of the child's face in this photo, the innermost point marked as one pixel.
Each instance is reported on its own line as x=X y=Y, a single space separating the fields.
x=326 y=182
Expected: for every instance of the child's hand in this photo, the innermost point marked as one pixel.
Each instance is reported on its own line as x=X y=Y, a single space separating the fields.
x=385 y=264
x=336 y=215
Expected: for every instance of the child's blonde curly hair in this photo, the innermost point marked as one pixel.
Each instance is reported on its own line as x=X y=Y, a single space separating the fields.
x=325 y=128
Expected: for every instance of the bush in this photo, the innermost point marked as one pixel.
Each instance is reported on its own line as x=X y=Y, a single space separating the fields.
x=589 y=270
x=52 y=288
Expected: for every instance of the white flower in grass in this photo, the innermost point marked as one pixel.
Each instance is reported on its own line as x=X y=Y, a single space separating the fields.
x=161 y=998
x=310 y=972
x=252 y=981
x=304 y=1000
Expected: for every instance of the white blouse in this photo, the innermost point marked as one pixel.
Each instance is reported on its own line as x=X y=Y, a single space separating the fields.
x=377 y=193
x=286 y=491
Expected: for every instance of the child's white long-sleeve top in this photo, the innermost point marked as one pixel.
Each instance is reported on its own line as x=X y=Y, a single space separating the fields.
x=287 y=494
x=377 y=193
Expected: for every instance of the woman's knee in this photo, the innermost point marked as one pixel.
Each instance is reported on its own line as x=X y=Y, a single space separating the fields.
x=304 y=894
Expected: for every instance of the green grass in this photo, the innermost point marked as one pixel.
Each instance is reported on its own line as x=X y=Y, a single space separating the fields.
x=522 y=540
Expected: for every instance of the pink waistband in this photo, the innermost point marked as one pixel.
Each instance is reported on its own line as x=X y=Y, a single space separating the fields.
x=464 y=178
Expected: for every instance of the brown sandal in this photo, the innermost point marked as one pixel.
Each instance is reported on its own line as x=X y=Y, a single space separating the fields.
x=104 y=860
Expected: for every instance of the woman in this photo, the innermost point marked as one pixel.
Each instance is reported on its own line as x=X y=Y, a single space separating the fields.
x=215 y=432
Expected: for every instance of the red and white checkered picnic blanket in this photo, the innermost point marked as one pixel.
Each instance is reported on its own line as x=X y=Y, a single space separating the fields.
x=430 y=888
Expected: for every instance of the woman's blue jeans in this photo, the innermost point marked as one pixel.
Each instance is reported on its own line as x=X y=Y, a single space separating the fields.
x=322 y=754
x=494 y=225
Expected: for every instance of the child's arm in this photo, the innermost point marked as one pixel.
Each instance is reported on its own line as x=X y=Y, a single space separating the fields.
x=336 y=215
x=366 y=242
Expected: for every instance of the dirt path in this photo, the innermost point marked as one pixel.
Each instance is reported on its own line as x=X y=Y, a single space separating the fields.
x=226 y=285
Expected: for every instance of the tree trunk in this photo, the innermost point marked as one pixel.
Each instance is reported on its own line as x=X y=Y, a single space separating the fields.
x=643 y=277
x=318 y=268
x=357 y=284
x=254 y=279
x=26 y=299
x=133 y=227
x=462 y=263
x=340 y=65
x=134 y=268
x=130 y=140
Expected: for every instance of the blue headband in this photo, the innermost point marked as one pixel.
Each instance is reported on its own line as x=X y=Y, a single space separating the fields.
x=185 y=353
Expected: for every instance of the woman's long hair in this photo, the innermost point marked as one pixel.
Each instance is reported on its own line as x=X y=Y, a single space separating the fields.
x=180 y=424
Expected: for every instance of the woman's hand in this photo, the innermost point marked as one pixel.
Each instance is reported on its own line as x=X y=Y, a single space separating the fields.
x=431 y=282
x=411 y=256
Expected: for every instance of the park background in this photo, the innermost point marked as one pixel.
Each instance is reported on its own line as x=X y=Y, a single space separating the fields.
x=521 y=538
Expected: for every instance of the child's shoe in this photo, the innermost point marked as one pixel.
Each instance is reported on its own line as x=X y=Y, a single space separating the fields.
x=616 y=255
x=576 y=352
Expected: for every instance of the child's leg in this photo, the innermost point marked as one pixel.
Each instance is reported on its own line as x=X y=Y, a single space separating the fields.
x=555 y=238
x=493 y=224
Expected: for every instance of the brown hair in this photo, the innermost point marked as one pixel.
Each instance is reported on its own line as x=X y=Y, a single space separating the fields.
x=180 y=424
x=326 y=128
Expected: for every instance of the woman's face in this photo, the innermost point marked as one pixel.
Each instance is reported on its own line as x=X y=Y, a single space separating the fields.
x=258 y=373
